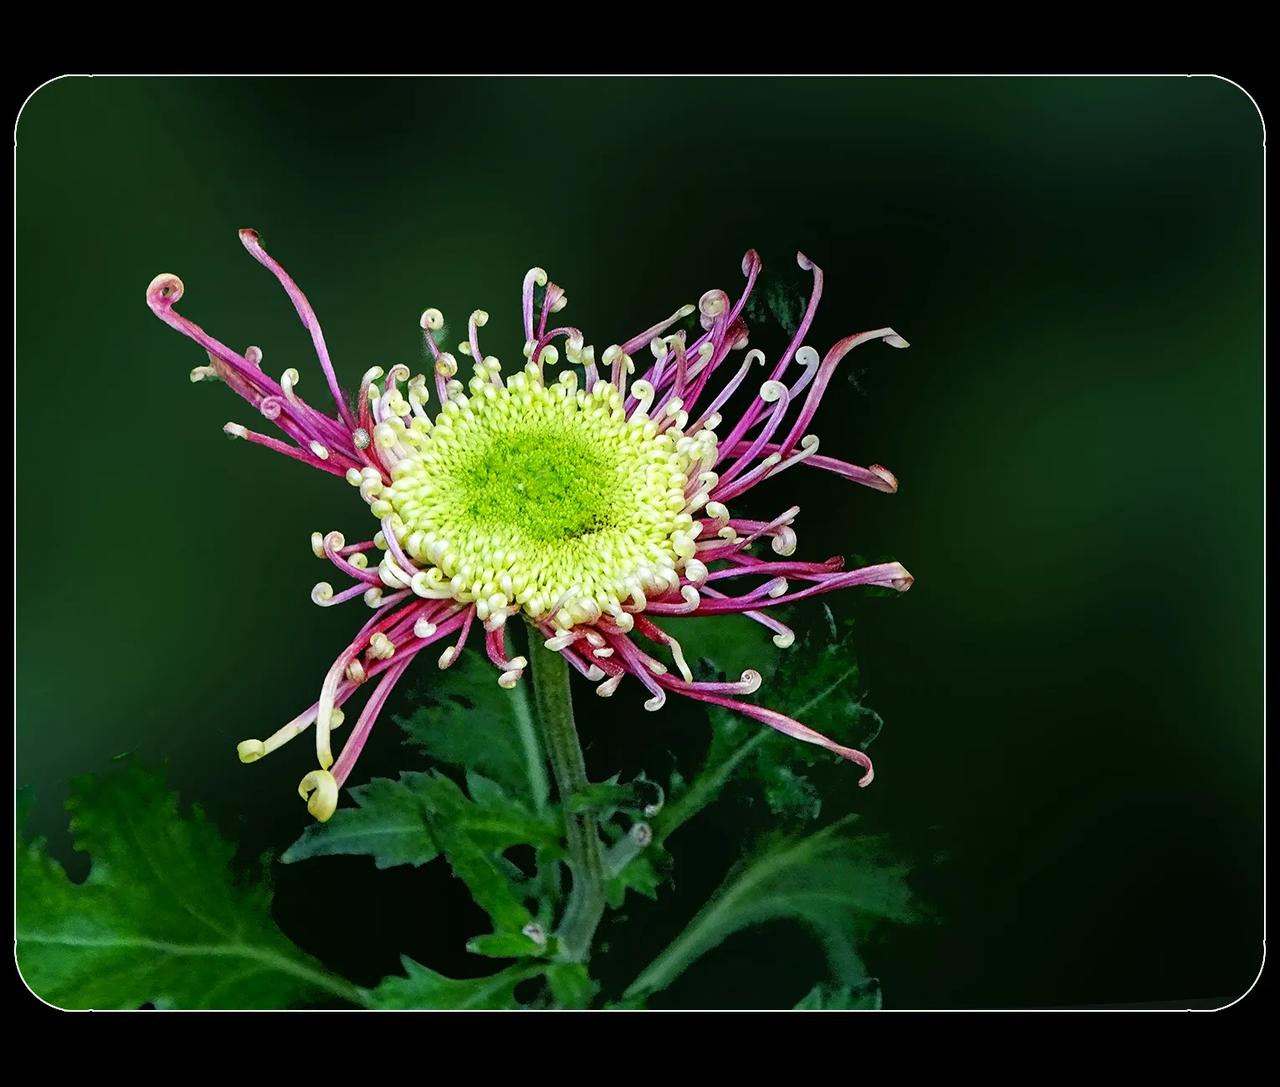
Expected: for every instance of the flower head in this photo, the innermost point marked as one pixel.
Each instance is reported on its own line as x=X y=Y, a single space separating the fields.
x=588 y=503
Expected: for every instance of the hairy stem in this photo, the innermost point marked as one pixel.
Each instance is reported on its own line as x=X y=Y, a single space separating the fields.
x=586 y=859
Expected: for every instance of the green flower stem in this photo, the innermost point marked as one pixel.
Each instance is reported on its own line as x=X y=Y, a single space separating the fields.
x=535 y=765
x=554 y=706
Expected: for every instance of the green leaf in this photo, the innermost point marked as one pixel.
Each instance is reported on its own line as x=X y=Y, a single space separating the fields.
x=465 y=719
x=387 y=824
x=160 y=919
x=510 y=945
x=603 y=797
x=824 y=695
x=638 y=798
x=571 y=985
x=837 y=883
x=823 y=997
x=726 y=644
x=392 y=824
x=644 y=875
x=423 y=989
x=627 y=1003
x=469 y=835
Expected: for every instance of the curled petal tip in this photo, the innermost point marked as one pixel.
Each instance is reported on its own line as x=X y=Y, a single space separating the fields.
x=902 y=579
x=320 y=790
x=803 y=261
x=250 y=750
x=750 y=259
x=868 y=777
x=894 y=340
x=890 y=480
x=164 y=291
x=250 y=237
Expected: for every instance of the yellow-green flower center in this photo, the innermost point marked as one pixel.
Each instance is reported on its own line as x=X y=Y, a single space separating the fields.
x=546 y=498
x=543 y=481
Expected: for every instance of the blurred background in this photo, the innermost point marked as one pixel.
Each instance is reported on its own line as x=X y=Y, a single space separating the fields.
x=1072 y=690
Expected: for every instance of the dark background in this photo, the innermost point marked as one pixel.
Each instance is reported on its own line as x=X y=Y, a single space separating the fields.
x=1073 y=688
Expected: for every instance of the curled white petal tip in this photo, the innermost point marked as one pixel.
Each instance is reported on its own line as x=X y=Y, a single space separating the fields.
x=432 y=320
x=250 y=750
x=902 y=579
x=785 y=640
x=320 y=790
x=894 y=340
x=696 y=570
x=321 y=593
x=606 y=689
x=750 y=681
x=772 y=391
x=656 y=702
x=508 y=680
x=234 y=430
x=164 y=290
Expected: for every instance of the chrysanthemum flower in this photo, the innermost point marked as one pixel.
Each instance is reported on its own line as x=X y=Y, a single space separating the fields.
x=590 y=503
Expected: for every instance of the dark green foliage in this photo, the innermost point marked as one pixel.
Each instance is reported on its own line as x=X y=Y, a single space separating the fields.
x=823 y=997
x=423 y=988
x=571 y=986
x=836 y=882
x=386 y=824
x=465 y=719
x=161 y=918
